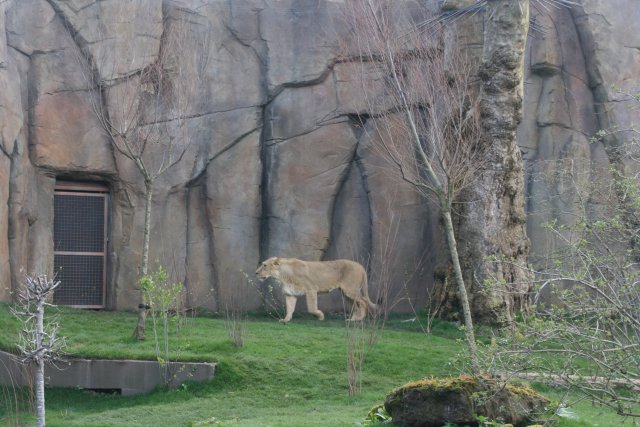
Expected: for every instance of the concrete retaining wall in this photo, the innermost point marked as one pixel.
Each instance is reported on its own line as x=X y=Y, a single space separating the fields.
x=126 y=376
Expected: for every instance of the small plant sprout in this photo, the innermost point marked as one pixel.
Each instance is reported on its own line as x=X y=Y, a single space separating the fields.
x=165 y=305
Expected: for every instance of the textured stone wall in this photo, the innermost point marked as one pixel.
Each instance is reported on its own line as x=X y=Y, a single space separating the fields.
x=277 y=164
x=575 y=68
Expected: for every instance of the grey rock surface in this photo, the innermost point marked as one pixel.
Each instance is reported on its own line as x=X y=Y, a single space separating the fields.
x=277 y=164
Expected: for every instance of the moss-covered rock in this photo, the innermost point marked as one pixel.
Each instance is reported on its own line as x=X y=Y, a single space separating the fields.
x=437 y=401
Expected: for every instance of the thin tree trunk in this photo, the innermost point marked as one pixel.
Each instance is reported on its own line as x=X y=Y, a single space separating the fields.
x=39 y=374
x=147 y=227
x=462 y=290
x=445 y=206
x=427 y=181
x=139 y=332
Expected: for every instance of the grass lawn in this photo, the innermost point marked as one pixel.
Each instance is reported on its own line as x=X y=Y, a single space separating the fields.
x=285 y=375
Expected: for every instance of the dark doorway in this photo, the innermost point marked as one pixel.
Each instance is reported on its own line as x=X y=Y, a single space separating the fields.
x=80 y=243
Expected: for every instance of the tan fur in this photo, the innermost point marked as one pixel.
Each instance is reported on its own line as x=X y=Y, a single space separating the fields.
x=312 y=277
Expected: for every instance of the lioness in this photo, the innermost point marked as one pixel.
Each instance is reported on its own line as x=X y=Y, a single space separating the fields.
x=312 y=277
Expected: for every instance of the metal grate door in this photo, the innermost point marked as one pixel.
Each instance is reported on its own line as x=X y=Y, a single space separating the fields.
x=79 y=236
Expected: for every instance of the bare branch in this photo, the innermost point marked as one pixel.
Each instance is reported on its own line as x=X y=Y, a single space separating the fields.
x=428 y=129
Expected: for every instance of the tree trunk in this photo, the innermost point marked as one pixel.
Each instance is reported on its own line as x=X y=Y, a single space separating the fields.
x=462 y=290
x=39 y=375
x=144 y=268
x=493 y=219
x=147 y=228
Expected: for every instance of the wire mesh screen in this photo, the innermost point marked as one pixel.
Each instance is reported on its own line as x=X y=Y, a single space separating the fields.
x=81 y=280
x=79 y=248
x=78 y=223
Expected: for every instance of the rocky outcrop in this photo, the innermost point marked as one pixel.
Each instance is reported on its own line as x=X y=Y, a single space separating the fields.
x=576 y=66
x=279 y=163
x=460 y=401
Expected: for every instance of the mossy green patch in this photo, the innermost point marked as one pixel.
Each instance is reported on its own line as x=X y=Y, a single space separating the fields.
x=461 y=400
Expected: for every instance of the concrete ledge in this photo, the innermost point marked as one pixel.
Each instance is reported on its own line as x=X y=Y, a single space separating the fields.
x=126 y=376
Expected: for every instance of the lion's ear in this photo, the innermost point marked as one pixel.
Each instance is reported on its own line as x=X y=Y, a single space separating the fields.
x=276 y=261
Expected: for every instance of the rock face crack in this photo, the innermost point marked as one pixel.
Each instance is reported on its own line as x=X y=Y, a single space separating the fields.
x=331 y=121
x=265 y=135
x=587 y=44
x=198 y=175
x=305 y=83
x=73 y=32
x=334 y=218
x=85 y=60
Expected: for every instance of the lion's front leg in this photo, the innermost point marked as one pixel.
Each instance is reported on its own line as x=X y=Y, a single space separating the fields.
x=290 y=304
x=312 y=305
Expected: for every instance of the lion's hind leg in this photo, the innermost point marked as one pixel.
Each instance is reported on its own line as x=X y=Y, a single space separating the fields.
x=312 y=305
x=359 y=310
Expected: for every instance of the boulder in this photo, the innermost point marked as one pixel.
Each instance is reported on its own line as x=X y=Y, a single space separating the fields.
x=438 y=401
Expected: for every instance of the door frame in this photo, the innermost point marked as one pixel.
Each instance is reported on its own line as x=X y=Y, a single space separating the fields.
x=88 y=189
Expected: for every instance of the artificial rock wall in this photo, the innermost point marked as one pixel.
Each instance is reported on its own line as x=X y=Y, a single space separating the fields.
x=277 y=164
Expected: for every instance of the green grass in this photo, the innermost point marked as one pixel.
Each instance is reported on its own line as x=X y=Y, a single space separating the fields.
x=587 y=413
x=285 y=375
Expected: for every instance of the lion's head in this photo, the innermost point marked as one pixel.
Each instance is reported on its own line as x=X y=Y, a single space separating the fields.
x=269 y=268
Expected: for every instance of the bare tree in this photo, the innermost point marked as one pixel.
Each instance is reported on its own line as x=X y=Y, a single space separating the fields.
x=424 y=114
x=39 y=341
x=145 y=111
